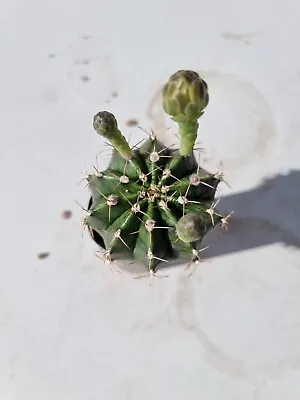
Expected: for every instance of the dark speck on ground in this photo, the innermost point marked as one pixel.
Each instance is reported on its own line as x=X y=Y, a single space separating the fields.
x=85 y=78
x=43 y=255
x=131 y=122
x=66 y=214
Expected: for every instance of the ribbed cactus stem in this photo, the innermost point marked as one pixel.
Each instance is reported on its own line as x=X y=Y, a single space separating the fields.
x=106 y=125
x=188 y=136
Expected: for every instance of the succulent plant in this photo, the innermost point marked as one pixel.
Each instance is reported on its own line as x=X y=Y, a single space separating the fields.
x=153 y=204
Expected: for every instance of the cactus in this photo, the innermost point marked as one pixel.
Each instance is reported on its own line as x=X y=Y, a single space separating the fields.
x=153 y=203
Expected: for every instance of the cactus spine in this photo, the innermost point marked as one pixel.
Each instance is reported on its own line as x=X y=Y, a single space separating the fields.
x=153 y=204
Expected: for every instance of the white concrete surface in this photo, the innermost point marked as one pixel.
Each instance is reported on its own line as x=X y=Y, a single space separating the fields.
x=69 y=327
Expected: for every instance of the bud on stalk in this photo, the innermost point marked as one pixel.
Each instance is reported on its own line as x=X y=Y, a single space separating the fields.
x=105 y=124
x=185 y=97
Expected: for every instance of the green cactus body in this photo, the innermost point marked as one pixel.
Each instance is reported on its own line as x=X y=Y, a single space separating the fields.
x=136 y=210
x=152 y=204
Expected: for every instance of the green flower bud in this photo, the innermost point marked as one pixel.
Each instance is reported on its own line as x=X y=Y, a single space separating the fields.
x=106 y=125
x=191 y=228
x=185 y=96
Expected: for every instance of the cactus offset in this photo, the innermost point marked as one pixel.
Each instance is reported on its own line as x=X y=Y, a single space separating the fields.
x=153 y=204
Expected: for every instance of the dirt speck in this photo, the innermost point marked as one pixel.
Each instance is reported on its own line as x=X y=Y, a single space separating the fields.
x=82 y=62
x=51 y=55
x=43 y=255
x=86 y=37
x=85 y=78
x=115 y=95
x=131 y=122
x=236 y=36
x=66 y=214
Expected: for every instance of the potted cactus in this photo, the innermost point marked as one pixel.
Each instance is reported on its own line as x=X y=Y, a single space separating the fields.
x=153 y=203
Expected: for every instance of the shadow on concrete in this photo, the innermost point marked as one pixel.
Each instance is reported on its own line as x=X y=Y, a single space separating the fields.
x=264 y=215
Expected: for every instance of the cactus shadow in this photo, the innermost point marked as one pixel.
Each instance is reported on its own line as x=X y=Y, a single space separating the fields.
x=264 y=215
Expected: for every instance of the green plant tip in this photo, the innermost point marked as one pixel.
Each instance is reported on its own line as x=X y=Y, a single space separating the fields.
x=105 y=124
x=185 y=96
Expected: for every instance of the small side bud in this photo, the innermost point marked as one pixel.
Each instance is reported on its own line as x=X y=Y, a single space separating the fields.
x=190 y=228
x=106 y=125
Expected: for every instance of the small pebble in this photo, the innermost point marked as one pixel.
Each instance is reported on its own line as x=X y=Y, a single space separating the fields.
x=43 y=255
x=131 y=122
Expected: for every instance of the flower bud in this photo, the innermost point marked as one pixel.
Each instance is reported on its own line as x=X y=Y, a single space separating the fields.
x=185 y=96
x=105 y=124
x=190 y=228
